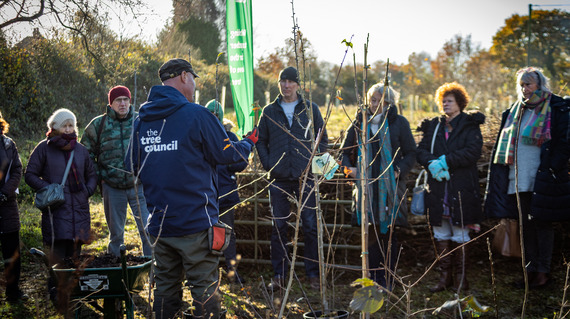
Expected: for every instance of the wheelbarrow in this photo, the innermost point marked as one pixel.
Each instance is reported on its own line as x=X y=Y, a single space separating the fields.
x=112 y=284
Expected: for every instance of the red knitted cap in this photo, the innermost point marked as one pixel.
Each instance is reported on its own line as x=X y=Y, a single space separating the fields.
x=117 y=91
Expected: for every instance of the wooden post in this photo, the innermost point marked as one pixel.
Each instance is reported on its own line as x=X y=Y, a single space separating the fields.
x=223 y=99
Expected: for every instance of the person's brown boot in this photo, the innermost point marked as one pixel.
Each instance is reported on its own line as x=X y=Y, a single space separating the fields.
x=445 y=279
x=541 y=280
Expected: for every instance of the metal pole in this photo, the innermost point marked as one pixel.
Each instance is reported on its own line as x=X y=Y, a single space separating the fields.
x=528 y=35
x=135 y=98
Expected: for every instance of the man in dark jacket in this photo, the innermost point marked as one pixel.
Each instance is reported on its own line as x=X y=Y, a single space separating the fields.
x=107 y=138
x=284 y=147
x=176 y=146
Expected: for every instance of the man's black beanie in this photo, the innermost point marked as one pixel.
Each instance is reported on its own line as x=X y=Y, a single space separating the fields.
x=289 y=73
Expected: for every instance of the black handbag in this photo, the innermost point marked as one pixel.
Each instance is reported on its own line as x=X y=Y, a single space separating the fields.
x=53 y=195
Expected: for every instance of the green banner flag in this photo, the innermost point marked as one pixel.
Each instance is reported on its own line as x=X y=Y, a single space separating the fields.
x=240 y=61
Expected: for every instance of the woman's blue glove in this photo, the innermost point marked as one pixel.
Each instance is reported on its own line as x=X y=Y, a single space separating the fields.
x=443 y=162
x=442 y=175
x=435 y=167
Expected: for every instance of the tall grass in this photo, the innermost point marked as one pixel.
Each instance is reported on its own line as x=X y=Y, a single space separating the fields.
x=341 y=117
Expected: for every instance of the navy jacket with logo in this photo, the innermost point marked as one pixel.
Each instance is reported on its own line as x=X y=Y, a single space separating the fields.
x=176 y=146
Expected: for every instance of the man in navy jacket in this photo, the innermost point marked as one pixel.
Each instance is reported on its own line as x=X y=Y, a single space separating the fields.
x=176 y=145
x=284 y=149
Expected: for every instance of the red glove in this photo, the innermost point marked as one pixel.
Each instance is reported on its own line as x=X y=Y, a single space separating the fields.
x=253 y=135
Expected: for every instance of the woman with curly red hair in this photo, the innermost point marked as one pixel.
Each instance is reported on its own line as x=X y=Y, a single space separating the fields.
x=450 y=147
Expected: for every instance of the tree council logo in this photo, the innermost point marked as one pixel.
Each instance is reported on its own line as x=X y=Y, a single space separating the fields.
x=153 y=143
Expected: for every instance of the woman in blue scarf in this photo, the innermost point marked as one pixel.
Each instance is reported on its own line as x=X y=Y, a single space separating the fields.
x=390 y=153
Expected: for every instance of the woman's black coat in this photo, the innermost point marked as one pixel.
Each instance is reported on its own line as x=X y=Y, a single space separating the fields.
x=551 y=195
x=72 y=220
x=11 y=168
x=462 y=151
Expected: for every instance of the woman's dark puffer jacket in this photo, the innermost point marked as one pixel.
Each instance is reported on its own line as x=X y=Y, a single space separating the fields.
x=71 y=220
x=462 y=151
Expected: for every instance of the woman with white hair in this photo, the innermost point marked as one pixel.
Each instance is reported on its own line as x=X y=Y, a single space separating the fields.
x=391 y=154
x=67 y=227
x=530 y=159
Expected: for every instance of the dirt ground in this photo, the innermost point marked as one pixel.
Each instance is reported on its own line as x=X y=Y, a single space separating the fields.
x=491 y=285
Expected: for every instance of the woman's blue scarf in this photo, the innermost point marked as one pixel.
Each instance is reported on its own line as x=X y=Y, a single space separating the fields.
x=380 y=180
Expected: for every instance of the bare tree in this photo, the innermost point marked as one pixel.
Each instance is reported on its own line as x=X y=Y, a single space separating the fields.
x=21 y=11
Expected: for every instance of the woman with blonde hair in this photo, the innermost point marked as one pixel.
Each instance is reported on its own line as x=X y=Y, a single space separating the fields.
x=453 y=203
x=391 y=152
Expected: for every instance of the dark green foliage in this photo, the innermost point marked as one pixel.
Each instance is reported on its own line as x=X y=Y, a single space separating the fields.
x=22 y=92
x=40 y=75
x=38 y=79
x=60 y=71
x=146 y=76
x=202 y=35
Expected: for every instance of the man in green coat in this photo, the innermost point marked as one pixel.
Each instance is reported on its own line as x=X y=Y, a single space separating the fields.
x=107 y=139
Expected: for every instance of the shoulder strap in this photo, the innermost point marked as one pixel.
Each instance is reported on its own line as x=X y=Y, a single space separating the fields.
x=99 y=131
x=67 y=168
x=5 y=142
x=434 y=135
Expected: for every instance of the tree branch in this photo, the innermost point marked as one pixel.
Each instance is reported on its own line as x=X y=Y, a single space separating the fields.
x=20 y=18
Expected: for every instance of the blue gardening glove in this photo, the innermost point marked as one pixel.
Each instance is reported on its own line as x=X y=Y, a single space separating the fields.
x=443 y=162
x=442 y=175
x=435 y=167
